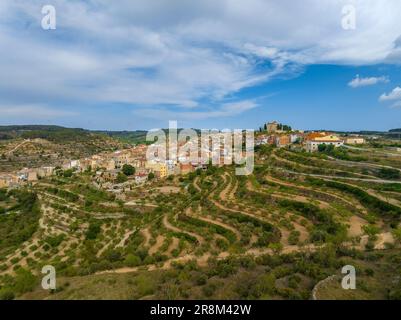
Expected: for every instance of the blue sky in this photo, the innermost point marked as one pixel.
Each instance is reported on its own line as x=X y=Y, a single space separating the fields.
x=131 y=65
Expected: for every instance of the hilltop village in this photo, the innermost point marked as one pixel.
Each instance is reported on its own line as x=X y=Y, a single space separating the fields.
x=281 y=135
x=123 y=168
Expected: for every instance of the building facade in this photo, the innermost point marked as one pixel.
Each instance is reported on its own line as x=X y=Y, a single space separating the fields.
x=313 y=144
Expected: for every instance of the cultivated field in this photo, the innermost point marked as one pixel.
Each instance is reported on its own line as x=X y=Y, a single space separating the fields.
x=211 y=234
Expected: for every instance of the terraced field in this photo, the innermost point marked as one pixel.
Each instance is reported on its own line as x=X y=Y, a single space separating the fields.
x=295 y=208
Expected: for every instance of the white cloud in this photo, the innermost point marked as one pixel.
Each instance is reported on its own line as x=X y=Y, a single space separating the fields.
x=226 y=110
x=396 y=105
x=178 y=52
x=364 y=82
x=395 y=94
x=34 y=111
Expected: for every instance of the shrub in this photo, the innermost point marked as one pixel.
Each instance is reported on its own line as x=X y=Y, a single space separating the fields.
x=6 y=294
x=222 y=244
x=132 y=260
x=114 y=256
x=121 y=178
x=293 y=238
x=389 y=173
x=93 y=230
x=209 y=289
x=145 y=285
x=17 y=228
x=68 y=173
x=55 y=241
x=128 y=170
x=201 y=280
x=24 y=281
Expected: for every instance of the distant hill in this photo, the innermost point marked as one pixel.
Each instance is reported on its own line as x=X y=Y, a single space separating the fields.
x=52 y=133
x=134 y=137
x=37 y=145
x=131 y=137
x=389 y=133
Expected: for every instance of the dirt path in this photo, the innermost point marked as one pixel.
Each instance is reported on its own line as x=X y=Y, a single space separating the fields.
x=279 y=158
x=382 y=239
x=157 y=245
x=18 y=146
x=173 y=245
x=284 y=233
x=344 y=178
x=168 y=189
x=196 y=185
x=383 y=198
x=304 y=234
x=296 y=197
x=146 y=233
x=168 y=225
x=299 y=198
x=293 y=185
x=202 y=260
x=221 y=224
x=134 y=203
x=49 y=214
x=360 y=164
x=253 y=240
x=127 y=234
x=222 y=207
x=231 y=195
x=355 y=226
x=224 y=192
x=373 y=151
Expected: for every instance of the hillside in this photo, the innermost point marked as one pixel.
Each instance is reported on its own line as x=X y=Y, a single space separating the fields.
x=131 y=137
x=34 y=146
x=212 y=234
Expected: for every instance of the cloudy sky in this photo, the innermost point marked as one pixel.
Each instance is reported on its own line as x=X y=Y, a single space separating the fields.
x=207 y=64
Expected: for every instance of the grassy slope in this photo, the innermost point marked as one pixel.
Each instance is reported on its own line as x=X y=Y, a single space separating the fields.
x=271 y=278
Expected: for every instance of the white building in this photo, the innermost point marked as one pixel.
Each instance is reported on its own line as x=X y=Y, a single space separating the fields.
x=354 y=140
x=313 y=145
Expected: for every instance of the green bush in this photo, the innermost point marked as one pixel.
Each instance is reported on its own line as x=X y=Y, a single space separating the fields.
x=17 y=228
x=293 y=238
x=121 y=178
x=93 y=230
x=6 y=294
x=132 y=260
x=55 y=241
x=366 y=199
x=24 y=281
x=389 y=173
x=128 y=170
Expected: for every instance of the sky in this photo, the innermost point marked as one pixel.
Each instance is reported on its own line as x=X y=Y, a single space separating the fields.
x=131 y=65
